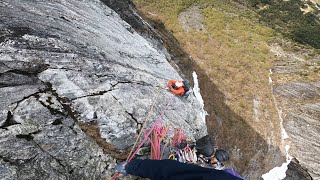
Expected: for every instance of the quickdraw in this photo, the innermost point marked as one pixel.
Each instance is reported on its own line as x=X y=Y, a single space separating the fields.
x=172 y=157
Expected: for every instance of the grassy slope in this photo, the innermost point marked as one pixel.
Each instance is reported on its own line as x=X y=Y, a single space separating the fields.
x=233 y=50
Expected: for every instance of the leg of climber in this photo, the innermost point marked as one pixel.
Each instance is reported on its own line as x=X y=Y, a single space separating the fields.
x=170 y=169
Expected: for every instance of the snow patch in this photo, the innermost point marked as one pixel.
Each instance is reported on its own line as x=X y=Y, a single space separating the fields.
x=279 y=173
x=270 y=79
x=284 y=134
x=287 y=153
x=256 y=105
x=196 y=92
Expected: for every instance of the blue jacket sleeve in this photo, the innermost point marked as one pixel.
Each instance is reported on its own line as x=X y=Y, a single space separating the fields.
x=170 y=169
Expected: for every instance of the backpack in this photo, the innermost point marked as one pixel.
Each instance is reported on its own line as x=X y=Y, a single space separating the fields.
x=205 y=146
x=186 y=86
x=221 y=155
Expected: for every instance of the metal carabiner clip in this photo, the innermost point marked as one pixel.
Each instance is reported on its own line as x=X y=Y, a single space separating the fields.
x=172 y=157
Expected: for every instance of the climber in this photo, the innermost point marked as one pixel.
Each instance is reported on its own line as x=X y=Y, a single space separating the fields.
x=205 y=146
x=179 y=87
x=170 y=169
x=219 y=157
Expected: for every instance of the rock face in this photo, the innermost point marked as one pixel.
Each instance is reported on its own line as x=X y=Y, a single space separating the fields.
x=295 y=171
x=67 y=67
x=191 y=19
x=299 y=103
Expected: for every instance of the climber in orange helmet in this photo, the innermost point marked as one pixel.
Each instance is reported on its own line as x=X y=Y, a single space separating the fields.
x=176 y=87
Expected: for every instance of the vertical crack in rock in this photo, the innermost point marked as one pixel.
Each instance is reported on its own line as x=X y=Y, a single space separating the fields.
x=130 y=114
x=51 y=110
x=91 y=129
x=9 y=121
x=65 y=102
x=133 y=118
x=139 y=125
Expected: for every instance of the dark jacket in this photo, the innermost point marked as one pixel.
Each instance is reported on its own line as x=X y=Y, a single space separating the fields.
x=170 y=169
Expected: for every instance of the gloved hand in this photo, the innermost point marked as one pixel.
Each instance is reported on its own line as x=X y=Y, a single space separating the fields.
x=121 y=168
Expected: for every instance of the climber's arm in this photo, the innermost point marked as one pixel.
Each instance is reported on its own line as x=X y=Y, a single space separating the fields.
x=161 y=169
x=170 y=82
x=170 y=169
x=179 y=91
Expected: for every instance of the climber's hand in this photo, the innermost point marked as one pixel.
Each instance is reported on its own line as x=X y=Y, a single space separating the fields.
x=121 y=168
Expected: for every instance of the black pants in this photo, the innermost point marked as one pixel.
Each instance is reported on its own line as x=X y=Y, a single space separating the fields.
x=170 y=169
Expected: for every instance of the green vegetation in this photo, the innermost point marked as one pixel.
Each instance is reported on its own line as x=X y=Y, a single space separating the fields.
x=287 y=18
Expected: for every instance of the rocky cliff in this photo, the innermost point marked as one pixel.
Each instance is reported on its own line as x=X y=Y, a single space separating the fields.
x=298 y=100
x=76 y=84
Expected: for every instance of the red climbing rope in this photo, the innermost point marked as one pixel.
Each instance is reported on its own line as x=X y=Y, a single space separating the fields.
x=178 y=137
x=154 y=127
x=156 y=144
x=116 y=176
x=159 y=133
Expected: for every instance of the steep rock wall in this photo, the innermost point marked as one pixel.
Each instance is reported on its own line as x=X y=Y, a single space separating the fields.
x=298 y=100
x=76 y=84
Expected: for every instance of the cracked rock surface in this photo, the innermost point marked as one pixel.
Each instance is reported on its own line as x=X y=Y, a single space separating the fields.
x=66 y=66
